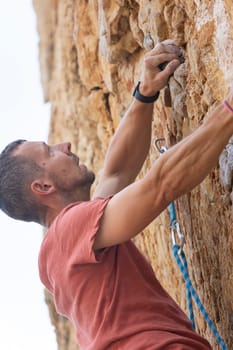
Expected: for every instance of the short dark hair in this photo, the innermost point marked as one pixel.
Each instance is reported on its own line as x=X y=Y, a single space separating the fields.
x=16 y=174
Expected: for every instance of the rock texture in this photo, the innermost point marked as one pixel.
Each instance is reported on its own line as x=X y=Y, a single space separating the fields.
x=91 y=54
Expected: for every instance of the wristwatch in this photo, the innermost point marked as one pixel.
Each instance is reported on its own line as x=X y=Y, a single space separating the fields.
x=142 y=98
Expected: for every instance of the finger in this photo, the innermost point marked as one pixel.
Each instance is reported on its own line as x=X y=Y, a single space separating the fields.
x=155 y=61
x=169 y=69
x=168 y=41
x=168 y=47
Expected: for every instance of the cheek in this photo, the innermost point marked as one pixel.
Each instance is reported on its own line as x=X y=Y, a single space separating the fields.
x=60 y=178
x=64 y=172
x=68 y=178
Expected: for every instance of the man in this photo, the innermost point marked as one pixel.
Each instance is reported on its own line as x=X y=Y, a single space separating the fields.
x=98 y=278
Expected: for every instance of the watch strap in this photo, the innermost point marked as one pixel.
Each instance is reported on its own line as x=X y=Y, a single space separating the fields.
x=142 y=98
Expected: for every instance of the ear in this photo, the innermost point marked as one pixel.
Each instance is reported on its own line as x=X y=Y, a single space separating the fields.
x=42 y=187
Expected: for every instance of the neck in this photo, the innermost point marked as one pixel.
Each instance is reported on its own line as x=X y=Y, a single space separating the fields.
x=57 y=206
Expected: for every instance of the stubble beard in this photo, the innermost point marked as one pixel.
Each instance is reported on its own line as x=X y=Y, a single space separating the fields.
x=76 y=191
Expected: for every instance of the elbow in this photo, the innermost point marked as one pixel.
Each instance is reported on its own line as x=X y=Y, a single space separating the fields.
x=162 y=192
x=164 y=186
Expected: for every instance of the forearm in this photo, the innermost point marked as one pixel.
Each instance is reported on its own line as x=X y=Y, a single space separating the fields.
x=131 y=141
x=186 y=164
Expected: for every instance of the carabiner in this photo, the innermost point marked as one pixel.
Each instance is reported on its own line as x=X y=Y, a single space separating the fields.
x=175 y=228
x=157 y=147
x=174 y=225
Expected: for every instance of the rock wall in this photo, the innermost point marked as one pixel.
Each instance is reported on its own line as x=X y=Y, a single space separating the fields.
x=90 y=55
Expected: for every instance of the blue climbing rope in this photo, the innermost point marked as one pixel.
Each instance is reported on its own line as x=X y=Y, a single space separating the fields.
x=178 y=252
x=181 y=261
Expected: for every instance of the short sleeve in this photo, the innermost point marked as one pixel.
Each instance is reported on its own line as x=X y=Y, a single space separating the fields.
x=76 y=231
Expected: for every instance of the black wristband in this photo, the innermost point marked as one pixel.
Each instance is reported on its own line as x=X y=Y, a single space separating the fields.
x=142 y=98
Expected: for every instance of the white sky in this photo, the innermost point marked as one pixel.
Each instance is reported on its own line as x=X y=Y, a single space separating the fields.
x=24 y=320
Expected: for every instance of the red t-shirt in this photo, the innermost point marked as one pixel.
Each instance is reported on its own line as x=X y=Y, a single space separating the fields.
x=112 y=298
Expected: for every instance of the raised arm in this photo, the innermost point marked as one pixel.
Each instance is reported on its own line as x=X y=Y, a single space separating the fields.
x=176 y=172
x=131 y=141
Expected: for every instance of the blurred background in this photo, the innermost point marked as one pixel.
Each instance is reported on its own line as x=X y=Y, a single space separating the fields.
x=24 y=319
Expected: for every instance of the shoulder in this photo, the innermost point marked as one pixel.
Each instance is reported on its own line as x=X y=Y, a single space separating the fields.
x=71 y=235
x=82 y=212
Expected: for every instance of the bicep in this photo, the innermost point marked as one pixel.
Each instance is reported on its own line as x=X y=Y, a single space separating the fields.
x=129 y=212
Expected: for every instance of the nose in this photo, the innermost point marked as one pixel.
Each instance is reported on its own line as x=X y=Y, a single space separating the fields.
x=64 y=147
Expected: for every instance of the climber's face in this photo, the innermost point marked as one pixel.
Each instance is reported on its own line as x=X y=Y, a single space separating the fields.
x=60 y=165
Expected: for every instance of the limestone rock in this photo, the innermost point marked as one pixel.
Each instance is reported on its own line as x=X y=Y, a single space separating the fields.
x=91 y=54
